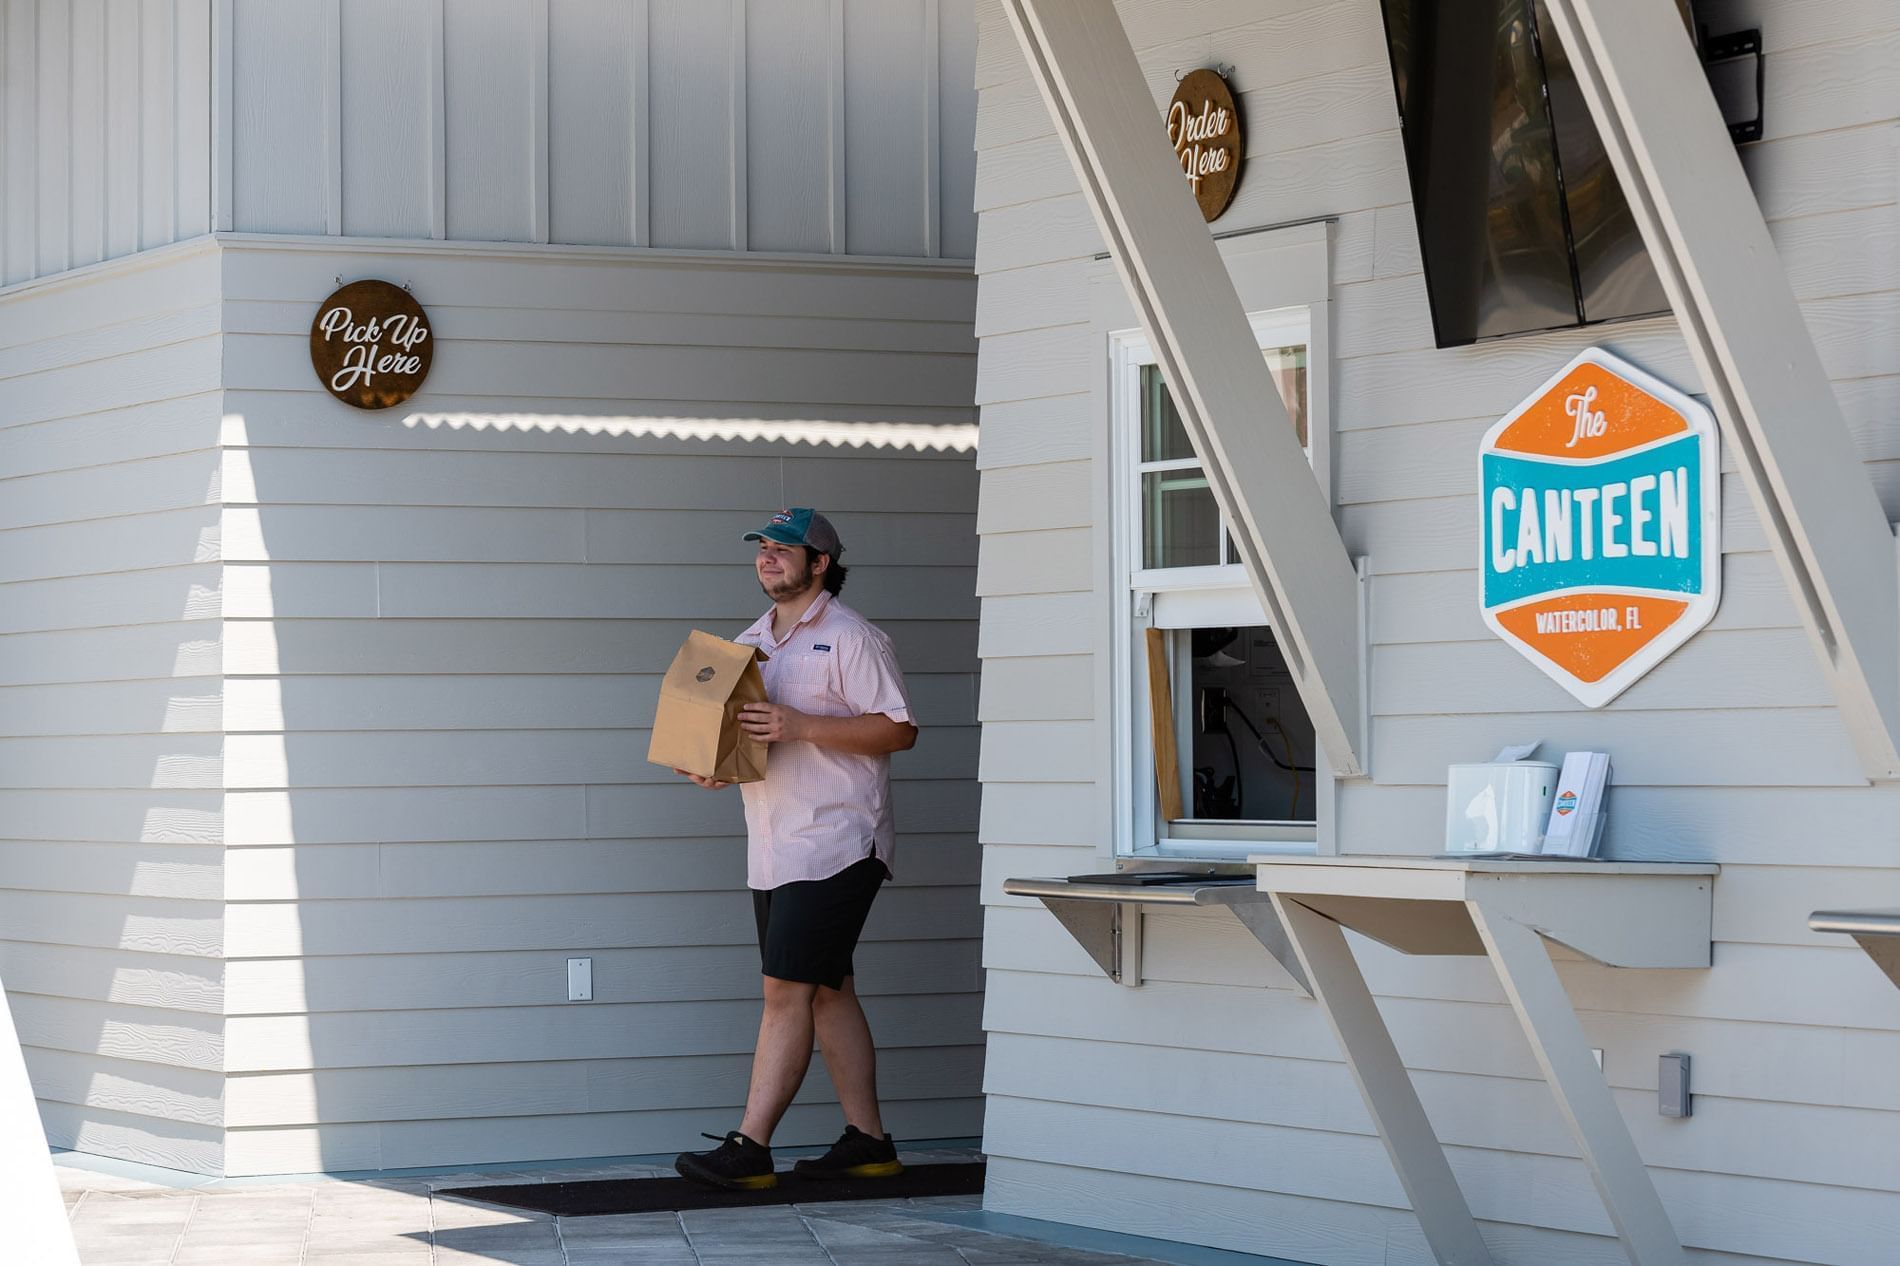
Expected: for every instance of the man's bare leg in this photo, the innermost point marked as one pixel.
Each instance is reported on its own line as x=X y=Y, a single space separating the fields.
x=781 y=1057
x=845 y=1037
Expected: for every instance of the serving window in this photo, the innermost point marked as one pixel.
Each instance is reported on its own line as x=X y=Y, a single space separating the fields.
x=1215 y=755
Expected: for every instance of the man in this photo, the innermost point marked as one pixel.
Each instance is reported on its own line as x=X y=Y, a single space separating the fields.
x=819 y=835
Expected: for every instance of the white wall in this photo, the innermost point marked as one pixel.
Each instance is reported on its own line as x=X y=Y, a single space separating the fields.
x=350 y=793
x=111 y=808
x=105 y=130
x=323 y=733
x=443 y=649
x=1211 y=1104
x=829 y=126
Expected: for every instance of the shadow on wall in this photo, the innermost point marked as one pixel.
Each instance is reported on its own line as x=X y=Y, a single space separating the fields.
x=444 y=638
x=111 y=854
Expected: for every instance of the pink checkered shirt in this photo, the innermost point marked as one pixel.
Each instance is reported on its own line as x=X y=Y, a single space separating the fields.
x=818 y=810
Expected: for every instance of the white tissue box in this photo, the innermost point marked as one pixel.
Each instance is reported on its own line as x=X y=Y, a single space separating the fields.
x=1498 y=806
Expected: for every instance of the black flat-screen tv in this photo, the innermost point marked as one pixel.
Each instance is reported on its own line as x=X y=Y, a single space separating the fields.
x=1521 y=220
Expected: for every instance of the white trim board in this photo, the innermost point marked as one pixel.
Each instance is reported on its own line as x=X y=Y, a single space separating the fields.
x=716 y=257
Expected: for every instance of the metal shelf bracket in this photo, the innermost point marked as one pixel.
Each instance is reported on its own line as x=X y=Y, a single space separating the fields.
x=1106 y=919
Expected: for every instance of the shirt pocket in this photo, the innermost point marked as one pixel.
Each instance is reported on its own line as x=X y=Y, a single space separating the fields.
x=805 y=683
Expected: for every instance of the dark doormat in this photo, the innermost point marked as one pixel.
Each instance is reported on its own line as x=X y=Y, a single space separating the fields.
x=668 y=1195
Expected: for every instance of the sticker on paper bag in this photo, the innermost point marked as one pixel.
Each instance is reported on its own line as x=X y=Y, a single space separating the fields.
x=1600 y=537
x=697 y=725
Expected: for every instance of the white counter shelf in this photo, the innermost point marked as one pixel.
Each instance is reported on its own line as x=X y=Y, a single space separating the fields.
x=1623 y=914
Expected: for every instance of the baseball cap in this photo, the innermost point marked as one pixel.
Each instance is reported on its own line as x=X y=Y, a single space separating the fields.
x=801 y=525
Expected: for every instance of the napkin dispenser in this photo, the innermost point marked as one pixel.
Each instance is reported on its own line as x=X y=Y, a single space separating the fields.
x=1498 y=806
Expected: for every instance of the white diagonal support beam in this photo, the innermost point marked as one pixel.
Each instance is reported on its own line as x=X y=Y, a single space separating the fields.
x=1423 y=1170
x=1082 y=62
x=1651 y=101
x=1536 y=994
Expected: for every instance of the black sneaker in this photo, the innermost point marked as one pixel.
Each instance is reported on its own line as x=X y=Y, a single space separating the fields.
x=737 y=1164
x=855 y=1155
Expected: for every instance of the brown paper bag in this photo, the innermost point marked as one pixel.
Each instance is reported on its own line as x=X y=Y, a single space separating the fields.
x=697 y=725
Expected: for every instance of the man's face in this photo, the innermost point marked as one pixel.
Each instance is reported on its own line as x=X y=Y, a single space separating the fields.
x=783 y=570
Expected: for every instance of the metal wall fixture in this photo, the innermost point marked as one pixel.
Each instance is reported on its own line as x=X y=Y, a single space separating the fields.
x=1726 y=61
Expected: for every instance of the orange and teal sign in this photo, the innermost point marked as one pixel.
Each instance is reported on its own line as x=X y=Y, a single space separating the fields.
x=1601 y=542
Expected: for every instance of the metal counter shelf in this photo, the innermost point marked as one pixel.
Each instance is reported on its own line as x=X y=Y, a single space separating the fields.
x=1876 y=931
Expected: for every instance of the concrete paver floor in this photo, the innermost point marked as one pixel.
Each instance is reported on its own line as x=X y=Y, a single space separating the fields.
x=407 y=1221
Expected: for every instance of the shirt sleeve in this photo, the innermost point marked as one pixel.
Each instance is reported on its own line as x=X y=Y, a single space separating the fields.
x=871 y=679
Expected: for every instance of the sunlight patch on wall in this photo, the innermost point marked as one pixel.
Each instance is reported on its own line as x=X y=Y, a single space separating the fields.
x=920 y=437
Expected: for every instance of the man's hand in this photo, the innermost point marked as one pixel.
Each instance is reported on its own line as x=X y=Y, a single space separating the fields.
x=773 y=722
x=872 y=734
x=710 y=784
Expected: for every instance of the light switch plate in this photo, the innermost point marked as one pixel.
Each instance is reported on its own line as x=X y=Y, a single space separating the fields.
x=580 y=980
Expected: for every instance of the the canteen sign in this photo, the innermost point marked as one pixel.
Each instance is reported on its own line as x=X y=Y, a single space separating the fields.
x=371 y=344
x=1601 y=547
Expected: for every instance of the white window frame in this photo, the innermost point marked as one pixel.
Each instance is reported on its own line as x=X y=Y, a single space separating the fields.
x=1187 y=598
x=1287 y=266
x=1129 y=354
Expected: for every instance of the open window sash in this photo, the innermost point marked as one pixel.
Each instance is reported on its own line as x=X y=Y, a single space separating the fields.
x=1179 y=598
x=1179 y=612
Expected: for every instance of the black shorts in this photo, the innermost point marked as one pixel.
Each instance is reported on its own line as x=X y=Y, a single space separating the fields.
x=808 y=930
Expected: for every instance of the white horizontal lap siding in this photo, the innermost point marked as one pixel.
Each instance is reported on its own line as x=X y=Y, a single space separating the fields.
x=444 y=649
x=1730 y=751
x=111 y=870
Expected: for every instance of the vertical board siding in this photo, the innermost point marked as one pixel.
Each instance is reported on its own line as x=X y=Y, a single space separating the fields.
x=1718 y=758
x=191 y=102
x=591 y=114
x=279 y=108
x=956 y=127
x=123 y=42
x=800 y=126
x=158 y=123
x=104 y=130
x=387 y=103
x=53 y=178
x=788 y=125
x=445 y=648
x=886 y=189
x=88 y=133
x=111 y=908
x=490 y=78
x=689 y=107
x=19 y=95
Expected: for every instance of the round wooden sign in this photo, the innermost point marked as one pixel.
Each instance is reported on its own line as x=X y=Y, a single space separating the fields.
x=371 y=344
x=1204 y=128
